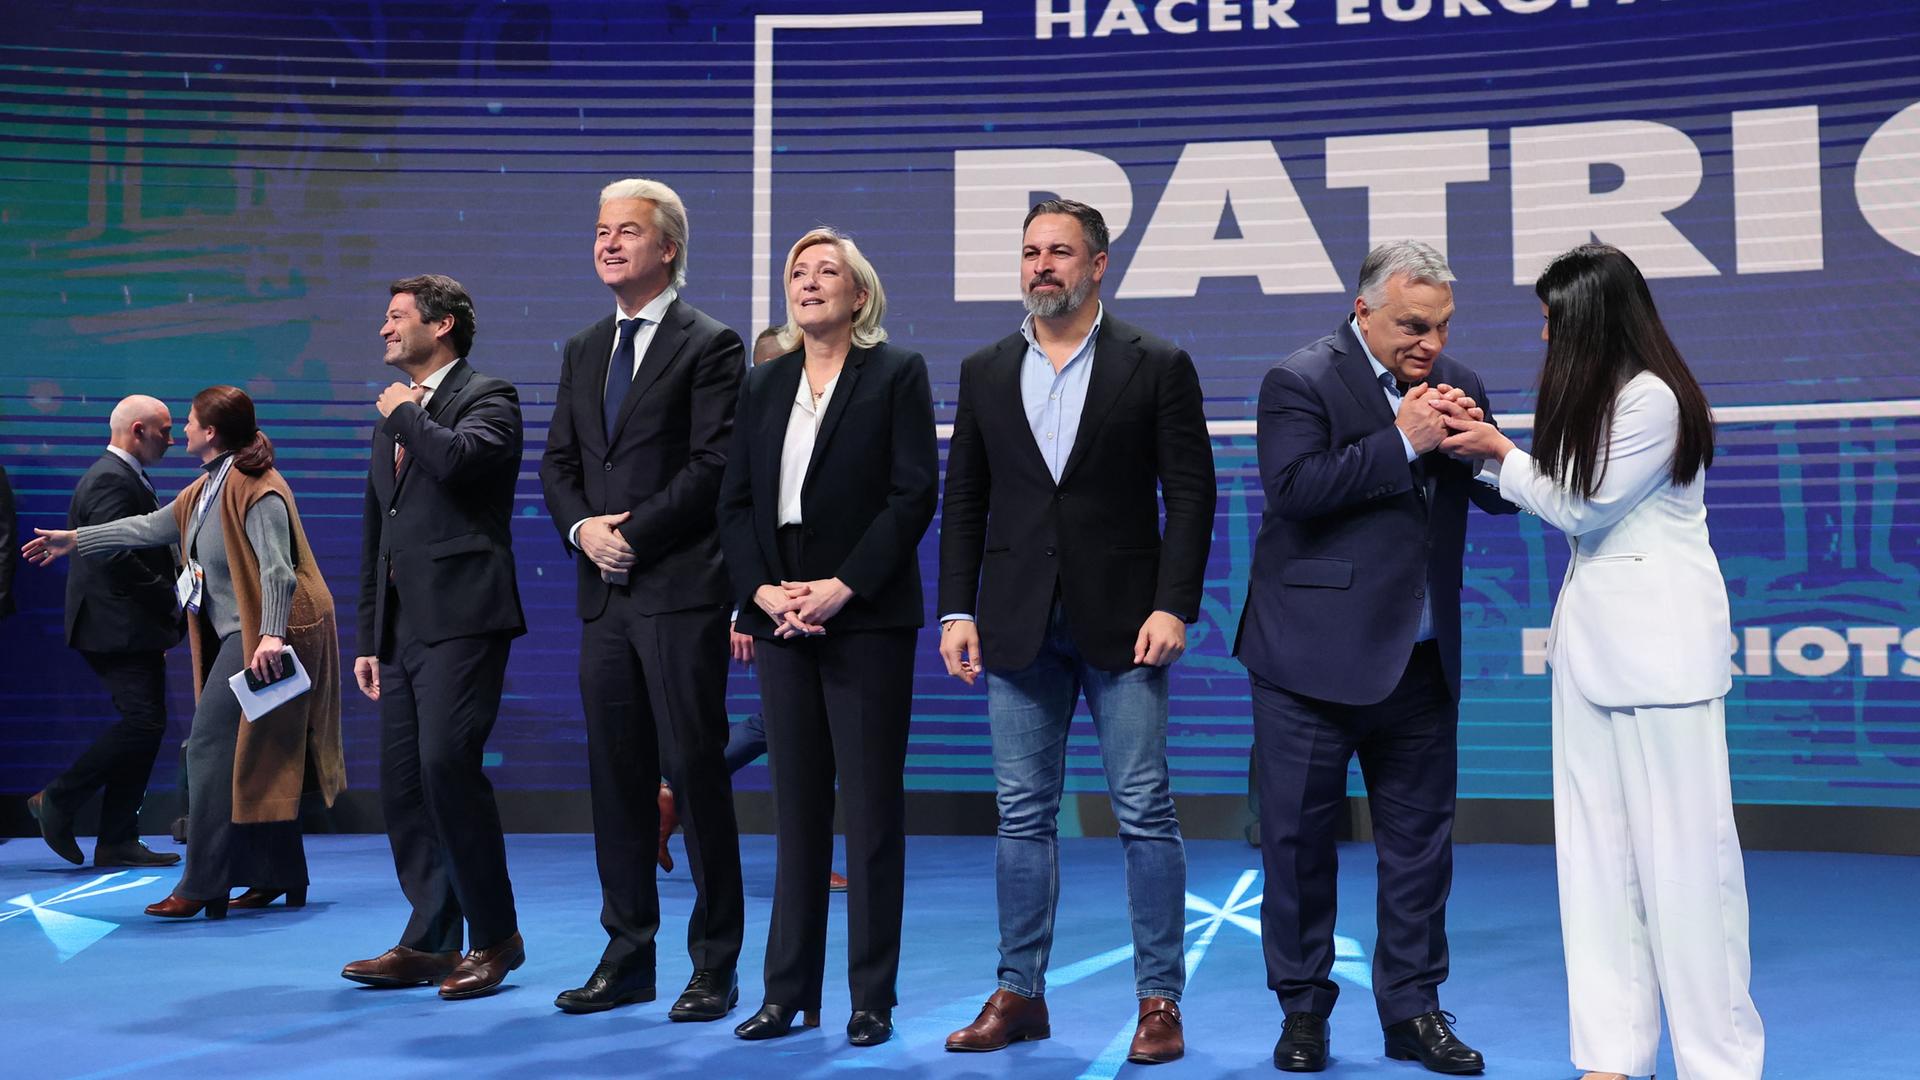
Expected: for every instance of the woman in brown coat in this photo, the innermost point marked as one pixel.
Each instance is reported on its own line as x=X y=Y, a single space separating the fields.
x=253 y=590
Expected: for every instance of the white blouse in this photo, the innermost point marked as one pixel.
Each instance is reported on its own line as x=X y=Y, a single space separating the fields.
x=796 y=452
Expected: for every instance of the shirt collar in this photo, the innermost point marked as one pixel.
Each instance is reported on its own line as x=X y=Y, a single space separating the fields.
x=1099 y=313
x=433 y=381
x=655 y=309
x=1379 y=368
x=128 y=458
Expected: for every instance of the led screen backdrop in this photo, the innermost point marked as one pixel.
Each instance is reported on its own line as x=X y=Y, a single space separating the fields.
x=222 y=194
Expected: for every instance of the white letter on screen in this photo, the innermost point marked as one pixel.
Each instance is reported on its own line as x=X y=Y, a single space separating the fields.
x=1277 y=242
x=1406 y=178
x=1776 y=190
x=1556 y=208
x=1886 y=180
x=992 y=192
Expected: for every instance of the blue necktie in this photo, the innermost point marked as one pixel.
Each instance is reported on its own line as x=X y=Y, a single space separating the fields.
x=1389 y=384
x=620 y=372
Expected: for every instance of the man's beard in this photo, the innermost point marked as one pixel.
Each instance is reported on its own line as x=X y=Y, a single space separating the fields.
x=1055 y=304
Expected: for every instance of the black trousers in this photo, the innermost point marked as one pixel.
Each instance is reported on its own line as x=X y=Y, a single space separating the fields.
x=837 y=704
x=438 y=704
x=654 y=688
x=1408 y=749
x=120 y=761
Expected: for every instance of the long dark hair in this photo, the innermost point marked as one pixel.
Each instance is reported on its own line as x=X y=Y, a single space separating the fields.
x=229 y=412
x=1602 y=329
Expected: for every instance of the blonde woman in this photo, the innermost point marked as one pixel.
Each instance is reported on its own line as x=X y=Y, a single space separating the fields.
x=828 y=489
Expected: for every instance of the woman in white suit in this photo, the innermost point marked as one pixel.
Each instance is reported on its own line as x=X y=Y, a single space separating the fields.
x=1653 y=900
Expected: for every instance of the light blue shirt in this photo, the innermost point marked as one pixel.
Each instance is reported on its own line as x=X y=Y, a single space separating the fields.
x=1054 y=400
x=1393 y=403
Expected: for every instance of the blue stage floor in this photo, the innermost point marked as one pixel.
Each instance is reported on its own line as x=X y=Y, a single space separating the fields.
x=91 y=987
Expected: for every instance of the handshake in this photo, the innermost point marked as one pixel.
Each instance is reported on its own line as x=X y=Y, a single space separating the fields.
x=1442 y=417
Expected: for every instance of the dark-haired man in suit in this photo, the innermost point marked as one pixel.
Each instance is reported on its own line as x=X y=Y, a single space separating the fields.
x=641 y=424
x=439 y=605
x=122 y=619
x=1069 y=437
x=1351 y=636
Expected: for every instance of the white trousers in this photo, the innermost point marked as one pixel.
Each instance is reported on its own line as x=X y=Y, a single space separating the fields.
x=1653 y=895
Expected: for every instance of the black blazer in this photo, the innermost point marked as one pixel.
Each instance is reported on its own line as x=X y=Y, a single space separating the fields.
x=441 y=527
x=1353 y=538
x=662 y=465
x=121 y=602
x=868 y=498
x=1008 y=534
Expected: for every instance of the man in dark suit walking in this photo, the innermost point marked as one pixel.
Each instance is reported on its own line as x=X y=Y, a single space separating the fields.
x=122 y=618
x=641 y=424
x=1055 y=577
x=1351 y=635
x=439 y=605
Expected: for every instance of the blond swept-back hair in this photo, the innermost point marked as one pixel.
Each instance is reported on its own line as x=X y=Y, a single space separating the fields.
x=669 y=216
x=867 y=330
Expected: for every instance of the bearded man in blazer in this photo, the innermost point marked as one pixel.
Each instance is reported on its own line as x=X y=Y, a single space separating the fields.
x=1351 y=637
x=641 y=425
x=439 y=604
x=1069 y=437
x=122 y=618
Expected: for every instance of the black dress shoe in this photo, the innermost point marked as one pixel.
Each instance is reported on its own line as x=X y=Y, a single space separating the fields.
x=710 y=995
x=132 y=853
x=870 y=1027
x=56 y=827
x=606 y=989
x=773 y=1021
x=1303 y=1044
x=1428 y=1039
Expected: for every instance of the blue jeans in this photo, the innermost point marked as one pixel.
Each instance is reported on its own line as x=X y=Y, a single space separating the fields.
x=1029 y=712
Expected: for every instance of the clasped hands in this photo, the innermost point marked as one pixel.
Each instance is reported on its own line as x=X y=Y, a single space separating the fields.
x=1443 y=417
x=799 y=608
x=601 y=540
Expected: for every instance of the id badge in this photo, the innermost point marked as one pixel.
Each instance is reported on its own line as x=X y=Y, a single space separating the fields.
x=188 y=587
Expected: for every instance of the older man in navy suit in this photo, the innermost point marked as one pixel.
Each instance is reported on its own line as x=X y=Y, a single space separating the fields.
x=1351 y=634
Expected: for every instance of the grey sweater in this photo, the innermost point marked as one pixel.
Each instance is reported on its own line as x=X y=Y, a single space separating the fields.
x=268 y=530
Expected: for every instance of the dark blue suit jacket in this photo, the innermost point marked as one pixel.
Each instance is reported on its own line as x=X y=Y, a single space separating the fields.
x=1350 y=543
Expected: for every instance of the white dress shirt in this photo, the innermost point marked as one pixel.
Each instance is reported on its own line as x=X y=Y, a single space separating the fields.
x=796 y=452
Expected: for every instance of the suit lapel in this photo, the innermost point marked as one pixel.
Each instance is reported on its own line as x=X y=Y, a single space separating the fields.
x=1003 y=385
x=593 y=377
x=134 y=475
x=1358 y=375
x=1116 y=356
x=776 y=402
x=441 y=404
x=669 y=340
x=836 y=408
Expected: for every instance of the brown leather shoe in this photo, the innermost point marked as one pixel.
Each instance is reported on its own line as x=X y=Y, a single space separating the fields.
x=1005 y=1018
x=482 y=970
x=1157 y=1039
x=401 y=966
x=669 y=821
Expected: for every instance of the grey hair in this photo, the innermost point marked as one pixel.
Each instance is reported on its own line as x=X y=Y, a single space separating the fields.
x=1420 y=262
x=669 y=216
x=138 y=407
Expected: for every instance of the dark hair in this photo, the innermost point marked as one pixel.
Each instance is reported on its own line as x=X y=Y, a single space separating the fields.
x=771 y=331
x=1090 y=220
x=1602 y=329
x=229 y=412
x=438 y=296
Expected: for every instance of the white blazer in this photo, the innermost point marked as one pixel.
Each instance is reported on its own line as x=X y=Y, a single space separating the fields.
x=1642 y=616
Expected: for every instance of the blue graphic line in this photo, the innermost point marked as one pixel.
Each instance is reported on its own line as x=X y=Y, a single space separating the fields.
x=1107 y=1065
